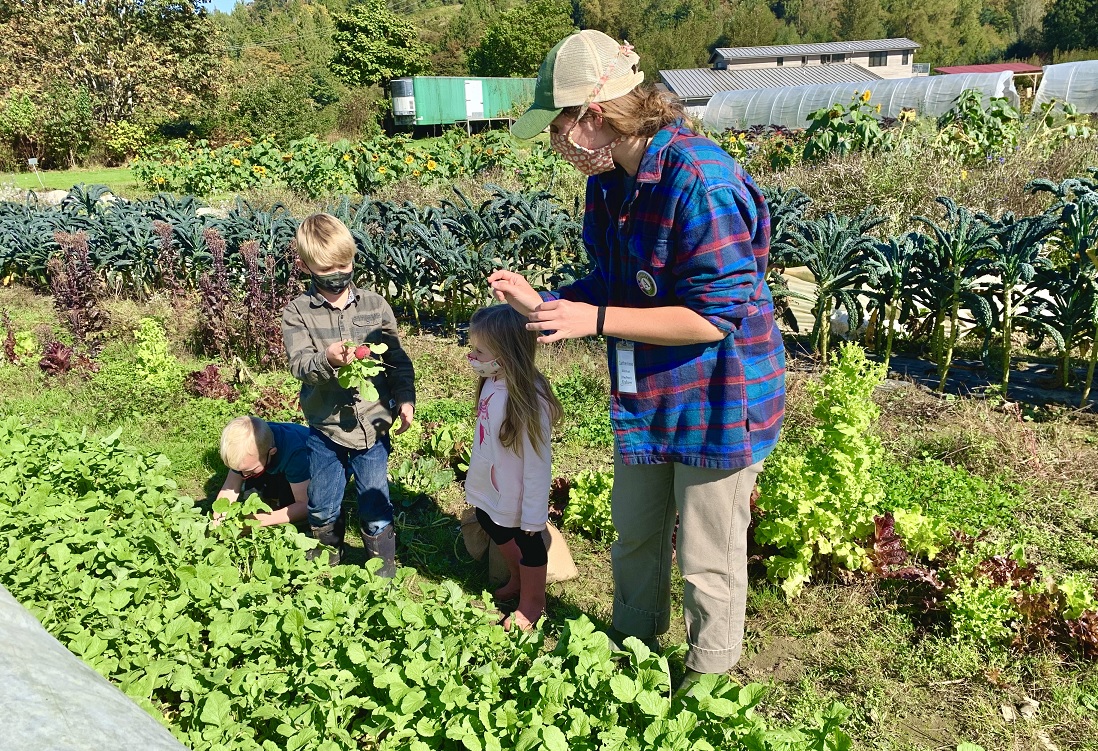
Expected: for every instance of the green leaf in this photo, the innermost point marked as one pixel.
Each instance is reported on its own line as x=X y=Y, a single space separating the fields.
x=653 y=704
x=623 y=688
x=217 y=710
x=553 y=738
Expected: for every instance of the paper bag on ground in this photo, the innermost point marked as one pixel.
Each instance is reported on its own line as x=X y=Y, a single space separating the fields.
x=561 y=567
x=476 y=539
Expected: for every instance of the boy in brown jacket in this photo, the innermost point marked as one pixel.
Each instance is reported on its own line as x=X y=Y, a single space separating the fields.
x=348 y=434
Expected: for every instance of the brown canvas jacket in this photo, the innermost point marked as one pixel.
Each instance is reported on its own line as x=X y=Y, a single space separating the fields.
x=309 y=325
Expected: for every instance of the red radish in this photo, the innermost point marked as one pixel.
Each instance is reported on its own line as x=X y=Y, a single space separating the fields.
x=362 y=352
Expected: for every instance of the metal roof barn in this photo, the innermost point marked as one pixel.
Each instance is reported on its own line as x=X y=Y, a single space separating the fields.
x=701 y=83
x=822 y=48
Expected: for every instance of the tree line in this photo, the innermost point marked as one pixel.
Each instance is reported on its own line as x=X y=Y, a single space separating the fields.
x=100 y=79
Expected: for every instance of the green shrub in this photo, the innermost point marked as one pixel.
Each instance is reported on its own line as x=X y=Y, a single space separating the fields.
x=123 y=140
x=156 y=367
x=981 y=612
x=841 y=130
x=820 y=499
x=961 y=500
x=588 y=509
x=585 y=402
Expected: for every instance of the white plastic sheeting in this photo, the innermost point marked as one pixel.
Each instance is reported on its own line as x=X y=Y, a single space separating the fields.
x=791 y=106
x=1074 y=83
x=54 y=701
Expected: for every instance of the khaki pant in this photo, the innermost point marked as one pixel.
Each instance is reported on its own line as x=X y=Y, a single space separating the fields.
x=714 y=510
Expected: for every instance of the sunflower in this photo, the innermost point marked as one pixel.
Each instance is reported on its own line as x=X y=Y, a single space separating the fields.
x=382 y=169
x=237 y=162
x=866 y=95
x=431 y=164
x=287 y=157
x=408 y=159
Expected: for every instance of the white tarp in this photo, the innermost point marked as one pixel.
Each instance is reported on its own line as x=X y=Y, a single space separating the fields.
x=1074 y=83
x=791 y=106
x=52 y=700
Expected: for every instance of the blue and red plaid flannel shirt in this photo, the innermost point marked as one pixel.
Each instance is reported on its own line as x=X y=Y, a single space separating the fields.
x=695 y=232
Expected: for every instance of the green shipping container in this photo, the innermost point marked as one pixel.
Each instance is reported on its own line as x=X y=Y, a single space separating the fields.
x=443 y=100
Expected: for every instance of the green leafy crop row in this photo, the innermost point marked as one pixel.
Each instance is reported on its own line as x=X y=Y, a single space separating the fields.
x=429 y=259
x=238 y=642
x=315 y=168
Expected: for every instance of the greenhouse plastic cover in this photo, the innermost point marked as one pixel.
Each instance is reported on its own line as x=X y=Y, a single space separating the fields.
x=791 y=106
x=54 y=701
x=1074 y=83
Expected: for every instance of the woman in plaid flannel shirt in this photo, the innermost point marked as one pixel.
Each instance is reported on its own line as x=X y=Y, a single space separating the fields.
x=680 y=237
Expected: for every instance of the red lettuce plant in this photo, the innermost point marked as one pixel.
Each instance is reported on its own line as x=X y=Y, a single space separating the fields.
x=210 y=384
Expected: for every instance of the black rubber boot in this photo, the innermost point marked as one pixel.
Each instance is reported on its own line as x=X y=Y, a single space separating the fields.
x=330 y=538
x=383 y=546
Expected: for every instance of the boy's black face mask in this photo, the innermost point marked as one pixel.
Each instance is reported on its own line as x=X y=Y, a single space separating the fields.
x=334 y=283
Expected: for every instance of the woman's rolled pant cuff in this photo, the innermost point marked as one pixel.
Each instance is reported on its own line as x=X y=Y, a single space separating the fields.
x=642 y=624
x=713 y=660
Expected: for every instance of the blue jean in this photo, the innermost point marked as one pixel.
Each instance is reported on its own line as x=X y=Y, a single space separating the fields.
x=331 y=465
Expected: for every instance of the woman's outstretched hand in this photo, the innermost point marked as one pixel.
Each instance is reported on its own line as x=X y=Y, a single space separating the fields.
x=564 y=319
x=513 y=289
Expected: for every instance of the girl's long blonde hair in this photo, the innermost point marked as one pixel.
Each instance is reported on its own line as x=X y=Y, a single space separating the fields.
x=502 y=330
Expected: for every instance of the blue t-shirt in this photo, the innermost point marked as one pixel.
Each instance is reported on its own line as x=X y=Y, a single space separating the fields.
x=292 y=457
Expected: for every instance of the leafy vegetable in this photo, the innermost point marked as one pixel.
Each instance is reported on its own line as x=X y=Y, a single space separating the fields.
x=360 y=372
x=241 y=643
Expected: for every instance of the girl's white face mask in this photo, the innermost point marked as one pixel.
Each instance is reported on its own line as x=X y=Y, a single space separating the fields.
x=483 y=369
x=588 y=161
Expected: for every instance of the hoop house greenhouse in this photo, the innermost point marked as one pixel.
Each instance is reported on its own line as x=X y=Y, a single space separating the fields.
x=1074 y=83
x=791 y=106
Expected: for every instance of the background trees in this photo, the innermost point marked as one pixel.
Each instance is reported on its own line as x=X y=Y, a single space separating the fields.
x=373 y=45
x=98 y=79
x=516 y=44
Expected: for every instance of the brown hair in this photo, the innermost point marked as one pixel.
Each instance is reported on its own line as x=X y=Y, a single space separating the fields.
x=641 y=112
x=502 y=330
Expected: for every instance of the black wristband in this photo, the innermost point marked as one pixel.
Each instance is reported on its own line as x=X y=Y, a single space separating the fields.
x=600 y=320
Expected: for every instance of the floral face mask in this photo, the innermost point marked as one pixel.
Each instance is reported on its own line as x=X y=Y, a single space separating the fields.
x=588 y=161
x=484 y=369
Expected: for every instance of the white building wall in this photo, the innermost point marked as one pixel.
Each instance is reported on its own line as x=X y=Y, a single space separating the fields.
x=894 y=69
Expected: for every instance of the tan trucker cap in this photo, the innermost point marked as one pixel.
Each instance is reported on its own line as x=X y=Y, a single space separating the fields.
x=586 y=67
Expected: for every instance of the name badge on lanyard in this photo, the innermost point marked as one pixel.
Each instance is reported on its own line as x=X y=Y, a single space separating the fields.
x=627 y=368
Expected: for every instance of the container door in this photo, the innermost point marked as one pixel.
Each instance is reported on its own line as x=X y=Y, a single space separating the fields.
x=474 y=100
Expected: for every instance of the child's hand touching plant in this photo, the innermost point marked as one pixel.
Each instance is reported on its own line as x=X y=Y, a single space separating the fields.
x=361 y=368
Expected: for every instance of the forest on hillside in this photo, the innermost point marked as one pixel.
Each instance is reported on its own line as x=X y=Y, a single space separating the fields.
x=123 y=74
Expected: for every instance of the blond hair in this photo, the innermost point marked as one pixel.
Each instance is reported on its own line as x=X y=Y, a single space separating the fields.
x=241 y=437
x=502 y=330
x=323 y=241
x=641 y=112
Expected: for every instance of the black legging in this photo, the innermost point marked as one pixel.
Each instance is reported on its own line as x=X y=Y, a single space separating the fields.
x=532 y=546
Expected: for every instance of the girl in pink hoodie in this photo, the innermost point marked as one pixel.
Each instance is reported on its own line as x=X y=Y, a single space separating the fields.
x=510 y=467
